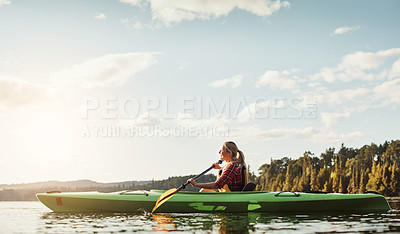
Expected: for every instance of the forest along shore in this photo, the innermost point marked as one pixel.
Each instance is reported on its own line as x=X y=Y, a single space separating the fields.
x=370 y=168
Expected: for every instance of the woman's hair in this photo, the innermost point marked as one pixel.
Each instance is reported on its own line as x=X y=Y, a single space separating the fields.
x=237 y=155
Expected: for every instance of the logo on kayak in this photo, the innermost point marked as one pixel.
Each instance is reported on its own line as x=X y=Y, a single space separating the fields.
x=59 y=201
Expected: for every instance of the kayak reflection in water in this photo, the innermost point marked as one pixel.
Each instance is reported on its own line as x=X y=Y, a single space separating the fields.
x=232 y=177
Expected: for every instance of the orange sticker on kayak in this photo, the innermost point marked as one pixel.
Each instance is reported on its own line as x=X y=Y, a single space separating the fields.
x=59 y=201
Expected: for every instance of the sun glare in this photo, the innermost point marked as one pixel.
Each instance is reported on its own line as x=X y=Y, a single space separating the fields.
x=47 y=137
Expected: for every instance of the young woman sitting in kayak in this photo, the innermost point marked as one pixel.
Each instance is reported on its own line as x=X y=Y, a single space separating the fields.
x=232 y=177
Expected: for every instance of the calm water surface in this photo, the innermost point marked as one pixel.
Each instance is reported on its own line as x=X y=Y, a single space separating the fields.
x=33 y=217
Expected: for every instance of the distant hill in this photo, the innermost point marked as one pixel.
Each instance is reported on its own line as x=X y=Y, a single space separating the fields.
x=71 y=184
x=28 y=191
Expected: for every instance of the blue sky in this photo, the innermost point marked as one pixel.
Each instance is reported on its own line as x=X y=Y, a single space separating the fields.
x=136 y=90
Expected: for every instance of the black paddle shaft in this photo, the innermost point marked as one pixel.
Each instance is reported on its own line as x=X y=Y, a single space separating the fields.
x=183 y=186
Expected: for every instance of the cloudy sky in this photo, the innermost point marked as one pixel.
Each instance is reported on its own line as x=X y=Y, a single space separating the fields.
x=142 y=89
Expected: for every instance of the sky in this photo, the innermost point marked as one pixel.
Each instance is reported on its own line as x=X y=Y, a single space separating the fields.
x=148 y=89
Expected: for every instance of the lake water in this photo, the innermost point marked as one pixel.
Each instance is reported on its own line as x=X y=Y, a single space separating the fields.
x=33 y=217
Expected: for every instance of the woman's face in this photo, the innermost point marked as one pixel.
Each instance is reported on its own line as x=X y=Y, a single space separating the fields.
x=225 y=154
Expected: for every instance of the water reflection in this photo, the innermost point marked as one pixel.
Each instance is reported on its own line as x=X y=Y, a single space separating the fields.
x=223 y=223
x=94 y=222
x=304 y=223
x=394 y=203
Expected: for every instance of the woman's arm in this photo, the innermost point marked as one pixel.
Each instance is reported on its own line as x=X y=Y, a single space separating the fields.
x=210 y=185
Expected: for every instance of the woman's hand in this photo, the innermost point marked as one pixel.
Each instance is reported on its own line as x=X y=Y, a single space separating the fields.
x=192 y=182
x=216 y=166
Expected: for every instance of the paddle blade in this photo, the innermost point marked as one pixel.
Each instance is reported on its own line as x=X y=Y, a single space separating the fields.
x=164 y=197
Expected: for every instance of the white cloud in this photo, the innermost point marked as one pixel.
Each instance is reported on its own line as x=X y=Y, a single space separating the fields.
x=253 y=109
x=235 y=81
x=108 y=70
x=354 y=66
x=100 y=15
x=262 y=7
x=330 y=118
x=338 y=138
x=343 y=30
x=368 y=60
x=307 y=133
x=131 y=2
x=276 y=80
x=395 y=71
x=138 y=26
x=314 y=84
x=342 y=96
x=183 y=66
x=134 y=24
x=360 y=99
x=286 y=133
x=4 y=2
x=16 y=93
x=390 y=90
x=174 y=11
x=344 y=74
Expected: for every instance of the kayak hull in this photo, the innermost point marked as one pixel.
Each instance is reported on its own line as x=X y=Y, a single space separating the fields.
x=194 y=202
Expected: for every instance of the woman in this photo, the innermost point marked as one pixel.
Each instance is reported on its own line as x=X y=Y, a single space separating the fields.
x=232 y=177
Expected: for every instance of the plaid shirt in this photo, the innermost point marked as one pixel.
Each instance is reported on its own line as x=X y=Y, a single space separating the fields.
x=232 y=176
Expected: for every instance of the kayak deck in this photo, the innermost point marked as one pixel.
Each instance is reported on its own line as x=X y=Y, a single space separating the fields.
x=195 y=202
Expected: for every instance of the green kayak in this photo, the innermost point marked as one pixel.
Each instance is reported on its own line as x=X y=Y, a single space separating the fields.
x=195 y=202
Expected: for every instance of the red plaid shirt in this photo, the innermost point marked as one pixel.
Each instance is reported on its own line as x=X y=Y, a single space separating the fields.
x=232 y=176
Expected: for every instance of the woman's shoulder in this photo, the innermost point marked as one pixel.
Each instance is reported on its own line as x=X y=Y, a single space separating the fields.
x=231 y=166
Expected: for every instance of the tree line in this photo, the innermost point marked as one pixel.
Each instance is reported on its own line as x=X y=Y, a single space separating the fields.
x=370 y=168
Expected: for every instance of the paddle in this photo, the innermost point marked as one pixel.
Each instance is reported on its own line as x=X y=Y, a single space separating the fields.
x=168 y=194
